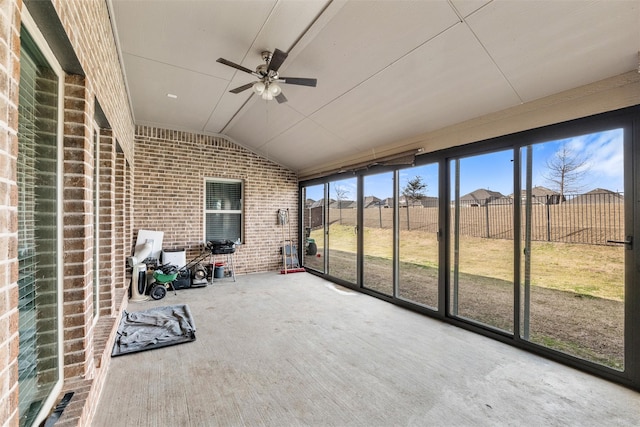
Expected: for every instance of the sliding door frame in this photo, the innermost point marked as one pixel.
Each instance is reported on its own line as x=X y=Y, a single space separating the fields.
x=629 y=120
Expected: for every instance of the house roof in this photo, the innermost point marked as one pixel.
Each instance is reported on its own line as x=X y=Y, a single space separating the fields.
x=597 y=195
x=481 y=195
x=539 y=191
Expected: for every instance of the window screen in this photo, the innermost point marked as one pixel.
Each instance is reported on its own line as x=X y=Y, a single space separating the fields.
x=223 y=210
x=38 y=360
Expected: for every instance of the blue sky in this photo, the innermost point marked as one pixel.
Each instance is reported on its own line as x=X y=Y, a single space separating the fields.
x=603 y=152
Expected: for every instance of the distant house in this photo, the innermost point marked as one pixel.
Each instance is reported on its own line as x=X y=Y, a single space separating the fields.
x=371 y=202
x=423 y=202
x=480 y=197
x=388 y=202
x=542 y=196
x=598 y=196
x=317 y=204
x=343 y=204
x=429 y=202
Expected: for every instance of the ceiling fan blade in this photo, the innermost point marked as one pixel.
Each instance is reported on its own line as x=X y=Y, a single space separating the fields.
x=277 y=58
x=234 y=65
x=298 y=81
x=241 y=88
x=281 y=98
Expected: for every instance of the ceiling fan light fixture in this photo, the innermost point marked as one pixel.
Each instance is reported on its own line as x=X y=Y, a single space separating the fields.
x=259 y=88
x=275 y=89
x=267 y=95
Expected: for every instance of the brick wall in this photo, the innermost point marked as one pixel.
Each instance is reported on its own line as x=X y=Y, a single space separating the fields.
x=86 y=344
x=163 y=190
x=88 y=27
x=170 y=169
x=9 y=77
x=78 y=228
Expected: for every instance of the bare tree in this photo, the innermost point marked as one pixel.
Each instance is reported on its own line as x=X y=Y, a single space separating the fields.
x=566 y=170
x=341 y=194
x=414 y=191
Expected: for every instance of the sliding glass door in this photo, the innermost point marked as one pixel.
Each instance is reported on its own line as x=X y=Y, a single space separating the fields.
x=575 y=243
x=342 y=230
x=418 y=223
x=377 y=232
x=313 y=224
x=533 y=243
x=481 y=255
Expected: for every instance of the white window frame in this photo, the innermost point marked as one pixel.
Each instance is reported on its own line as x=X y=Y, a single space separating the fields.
x=96 y=223
x=205 y=211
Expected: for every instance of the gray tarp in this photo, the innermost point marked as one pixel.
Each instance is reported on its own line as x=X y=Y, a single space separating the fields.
x=154 y=328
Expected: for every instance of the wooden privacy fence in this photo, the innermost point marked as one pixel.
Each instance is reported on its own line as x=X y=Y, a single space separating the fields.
x=591 y=218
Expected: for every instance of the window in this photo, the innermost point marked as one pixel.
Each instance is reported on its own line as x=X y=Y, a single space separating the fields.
x=223 y=210
x=39 y=227
x=96 y=223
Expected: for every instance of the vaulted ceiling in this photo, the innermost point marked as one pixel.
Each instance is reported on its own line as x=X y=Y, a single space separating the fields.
x=386 y=70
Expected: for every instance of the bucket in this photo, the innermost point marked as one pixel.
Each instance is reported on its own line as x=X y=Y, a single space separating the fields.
x=218 y=271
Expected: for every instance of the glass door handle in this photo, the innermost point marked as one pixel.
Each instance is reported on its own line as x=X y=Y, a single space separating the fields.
x=627 y=242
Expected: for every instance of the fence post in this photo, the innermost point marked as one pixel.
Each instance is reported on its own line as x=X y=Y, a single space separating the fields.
x=548 y=220
x=486 y=204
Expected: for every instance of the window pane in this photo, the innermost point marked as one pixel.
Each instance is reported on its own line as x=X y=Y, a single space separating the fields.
x=343 y=232
x=224 y=195
x=482 y=237
x=223 y=210
x=418 y=269
x=223 y=226
x=313 y=222
x=37 y=236
x=377 y=249
x=572 y=278
x=96 y=224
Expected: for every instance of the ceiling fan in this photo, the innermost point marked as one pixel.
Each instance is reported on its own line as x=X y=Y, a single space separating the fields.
x=268 y=83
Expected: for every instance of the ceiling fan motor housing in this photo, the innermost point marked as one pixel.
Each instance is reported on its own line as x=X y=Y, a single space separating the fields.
x=266 y=56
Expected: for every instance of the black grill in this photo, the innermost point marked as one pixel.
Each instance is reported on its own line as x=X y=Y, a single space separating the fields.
x=221 y=246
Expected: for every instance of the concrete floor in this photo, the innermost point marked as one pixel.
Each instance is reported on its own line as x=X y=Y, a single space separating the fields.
x=294 y=350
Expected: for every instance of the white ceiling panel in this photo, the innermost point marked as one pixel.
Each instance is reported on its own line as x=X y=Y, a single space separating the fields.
x=467 y=7
x=545 y=47
x=400 y=102
x=153 y=81
x=387 y=70
x=362 y=39
x=191 y=34
x=288 y=20
x=262 y=121
x=308 y=144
